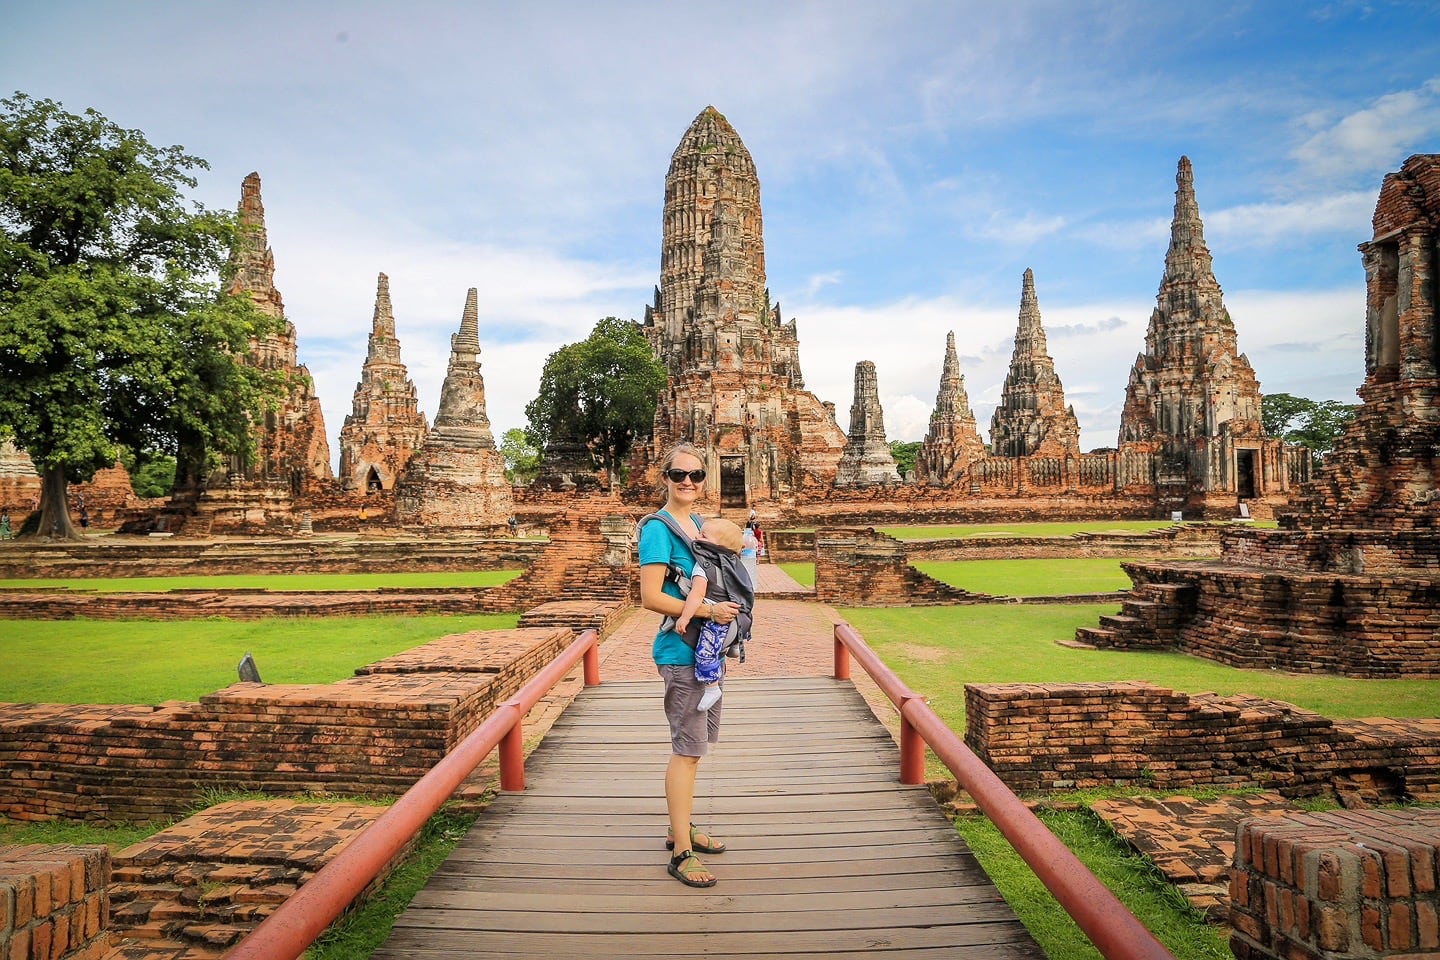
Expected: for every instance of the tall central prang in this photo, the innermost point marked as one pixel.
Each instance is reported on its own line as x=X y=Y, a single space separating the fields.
x=734 y=382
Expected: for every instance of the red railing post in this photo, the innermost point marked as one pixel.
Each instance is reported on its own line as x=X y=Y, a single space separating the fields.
x=592 y=665
x=912 y=749
x=512 y=754
x=842 y=660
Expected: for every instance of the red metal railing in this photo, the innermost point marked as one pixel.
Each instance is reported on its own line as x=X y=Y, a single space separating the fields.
x=286 y=933
x=1111 y=927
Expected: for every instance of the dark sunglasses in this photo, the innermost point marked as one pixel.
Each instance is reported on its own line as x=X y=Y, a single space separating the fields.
x=676 y=475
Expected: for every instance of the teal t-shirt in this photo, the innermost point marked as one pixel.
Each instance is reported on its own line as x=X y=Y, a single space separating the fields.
x=659 y=545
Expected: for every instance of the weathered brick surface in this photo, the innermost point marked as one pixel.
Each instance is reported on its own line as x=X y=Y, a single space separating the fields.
x=376 y=732
x=1032 y=419
x=54 y=902
x=1353 y=884
x=1040 y=737
x=202 y=884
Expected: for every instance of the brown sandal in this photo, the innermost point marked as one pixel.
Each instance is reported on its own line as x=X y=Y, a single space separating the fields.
x=709 y=845
x=684 y=866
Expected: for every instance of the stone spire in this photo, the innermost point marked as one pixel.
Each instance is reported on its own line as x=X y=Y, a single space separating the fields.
x=457 y=477
x=386 y=426
x=953 y=441
x=462 y=415
x=253 y=259
x=734 y=384
x=291 y=446
x=1191 y=393
x=1033 y=419
x=867 y=459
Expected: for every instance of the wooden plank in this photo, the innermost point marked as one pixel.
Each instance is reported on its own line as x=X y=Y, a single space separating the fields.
x=828 y=855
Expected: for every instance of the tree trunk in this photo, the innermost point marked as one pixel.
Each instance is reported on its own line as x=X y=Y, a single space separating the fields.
x=54 y=512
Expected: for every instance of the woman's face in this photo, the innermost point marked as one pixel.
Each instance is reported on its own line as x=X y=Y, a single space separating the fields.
x=685 y=491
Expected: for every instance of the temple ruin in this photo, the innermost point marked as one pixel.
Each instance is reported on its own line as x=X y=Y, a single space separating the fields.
x=1350 y=583
x=291 y=445
x=1032 y=418
x=456 y=480
x=867 y=459
x=1192 y=406
x=386 y=427
x=734 y=385
x=953 y=441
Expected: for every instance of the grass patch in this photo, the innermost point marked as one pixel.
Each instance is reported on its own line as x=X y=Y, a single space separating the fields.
x=801 y=573
x=361 y=931
x=149 y=662
x=292 y=582
x=1030 y=578
x=14 y=832
x=1159 y=906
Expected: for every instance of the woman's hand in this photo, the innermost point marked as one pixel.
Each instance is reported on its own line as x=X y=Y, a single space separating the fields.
x=724 y=611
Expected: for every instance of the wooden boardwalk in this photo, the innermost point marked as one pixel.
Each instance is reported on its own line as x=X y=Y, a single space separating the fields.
x=829 y=856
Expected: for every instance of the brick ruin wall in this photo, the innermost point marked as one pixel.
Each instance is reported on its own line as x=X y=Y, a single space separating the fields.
x=374 y=733
x=1198 y=540
x=911 y=504
x=54 y=902
x=1043 y=737
x=866 y=568
x=1336 y=884
x=1352 y=625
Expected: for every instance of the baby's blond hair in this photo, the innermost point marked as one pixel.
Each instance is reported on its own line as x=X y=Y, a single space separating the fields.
x=724 y=532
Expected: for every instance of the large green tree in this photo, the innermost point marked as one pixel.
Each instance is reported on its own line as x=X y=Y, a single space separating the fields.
x=602 y=390
x=522 y=459
x=1316 y=424
x=113 y=330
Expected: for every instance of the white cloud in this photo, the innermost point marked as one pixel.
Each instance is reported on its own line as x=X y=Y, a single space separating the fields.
x=1374 y=139
x=1265 y=224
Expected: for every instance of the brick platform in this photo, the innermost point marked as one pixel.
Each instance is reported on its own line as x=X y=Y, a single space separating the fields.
x=196 y=888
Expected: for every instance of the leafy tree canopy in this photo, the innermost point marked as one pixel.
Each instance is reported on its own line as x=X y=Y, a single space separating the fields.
x=1310 y=423
x=601 y=390
x=522 y=459
x=115 y=332
x=905 y=453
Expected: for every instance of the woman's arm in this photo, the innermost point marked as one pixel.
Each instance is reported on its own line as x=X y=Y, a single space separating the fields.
x=653 y=597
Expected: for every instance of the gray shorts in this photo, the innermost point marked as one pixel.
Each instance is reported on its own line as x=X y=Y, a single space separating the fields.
x=691 y=732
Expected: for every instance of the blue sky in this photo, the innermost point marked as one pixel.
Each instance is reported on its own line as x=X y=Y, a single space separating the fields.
x=914 y=159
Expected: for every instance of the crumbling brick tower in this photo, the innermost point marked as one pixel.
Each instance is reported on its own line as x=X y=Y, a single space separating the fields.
x=953 y=440
x=456 y=480
x=734 y=382
x=1032 y=418
x=1350 y=584
x=386 y=427
x=1193 y=403
x=1383 y=473
x=291 y=445
x=867 y=459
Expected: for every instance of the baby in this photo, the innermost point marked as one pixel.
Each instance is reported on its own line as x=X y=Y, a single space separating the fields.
x=710 y=649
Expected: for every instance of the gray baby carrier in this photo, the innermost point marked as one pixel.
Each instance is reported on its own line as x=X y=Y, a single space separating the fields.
x=727 y=579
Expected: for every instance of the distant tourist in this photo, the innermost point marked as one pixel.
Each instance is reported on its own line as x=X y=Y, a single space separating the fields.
x=682 y=482
x=514 y=526
x=364 y=514
x=84 y=517
x=5 y=523
x=749 y=550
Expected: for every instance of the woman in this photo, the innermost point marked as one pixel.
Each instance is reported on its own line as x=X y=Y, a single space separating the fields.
x=682 y=482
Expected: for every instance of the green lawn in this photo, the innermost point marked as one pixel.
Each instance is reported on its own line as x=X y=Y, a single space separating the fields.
x=143 y=661
x=1030 y=578
x=276 y=582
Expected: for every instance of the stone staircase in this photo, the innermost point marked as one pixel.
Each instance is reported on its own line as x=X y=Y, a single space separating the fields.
x=1150 y=618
